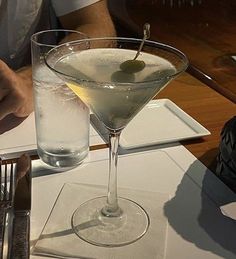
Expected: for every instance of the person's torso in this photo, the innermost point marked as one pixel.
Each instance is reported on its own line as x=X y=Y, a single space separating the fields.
x=18 y=21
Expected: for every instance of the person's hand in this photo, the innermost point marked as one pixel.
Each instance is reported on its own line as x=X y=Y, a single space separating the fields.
x=16 y=95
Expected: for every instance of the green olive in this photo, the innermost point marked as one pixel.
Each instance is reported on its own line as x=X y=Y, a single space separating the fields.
x=122 y=77
x=132 y=66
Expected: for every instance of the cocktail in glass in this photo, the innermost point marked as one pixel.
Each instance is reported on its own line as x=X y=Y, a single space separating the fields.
x=104 y=74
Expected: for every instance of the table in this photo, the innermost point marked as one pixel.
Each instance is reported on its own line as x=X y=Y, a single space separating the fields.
x=203 y=30
x=208 y=107
x=205 y=105
x=212 y=110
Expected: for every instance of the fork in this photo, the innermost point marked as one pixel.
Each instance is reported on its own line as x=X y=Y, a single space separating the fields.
x=6 y=188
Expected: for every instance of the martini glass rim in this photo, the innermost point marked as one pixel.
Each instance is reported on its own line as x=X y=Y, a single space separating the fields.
x=33 y=38
x=152 y=43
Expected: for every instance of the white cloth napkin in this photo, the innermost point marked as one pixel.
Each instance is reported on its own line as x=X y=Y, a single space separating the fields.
x=59 y=241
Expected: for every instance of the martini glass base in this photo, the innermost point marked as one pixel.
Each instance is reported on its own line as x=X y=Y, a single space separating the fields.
x=89 y=223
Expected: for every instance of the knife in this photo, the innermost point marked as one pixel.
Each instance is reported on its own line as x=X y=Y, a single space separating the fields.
x=21 y=209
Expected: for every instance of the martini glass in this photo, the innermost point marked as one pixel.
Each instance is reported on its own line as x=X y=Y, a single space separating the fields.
x=105 y=75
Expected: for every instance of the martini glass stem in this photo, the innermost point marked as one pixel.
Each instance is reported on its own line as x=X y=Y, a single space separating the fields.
x=112 y=208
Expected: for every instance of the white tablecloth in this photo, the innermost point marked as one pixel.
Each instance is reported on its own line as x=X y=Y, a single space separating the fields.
x=197 y=228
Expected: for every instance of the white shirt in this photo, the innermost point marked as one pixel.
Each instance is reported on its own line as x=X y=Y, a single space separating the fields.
x=20 y=19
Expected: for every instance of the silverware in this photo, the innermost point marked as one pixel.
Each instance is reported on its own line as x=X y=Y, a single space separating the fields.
x=6 y=188
x=21 y=209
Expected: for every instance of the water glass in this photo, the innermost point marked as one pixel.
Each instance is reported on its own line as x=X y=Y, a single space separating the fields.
x=61 y=118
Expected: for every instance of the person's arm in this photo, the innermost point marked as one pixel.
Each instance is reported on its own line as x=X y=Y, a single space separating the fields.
x=93 y=20
x=16 y=95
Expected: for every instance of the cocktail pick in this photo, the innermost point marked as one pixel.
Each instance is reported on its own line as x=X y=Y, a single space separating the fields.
x=134 y=65
x=146 y=35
